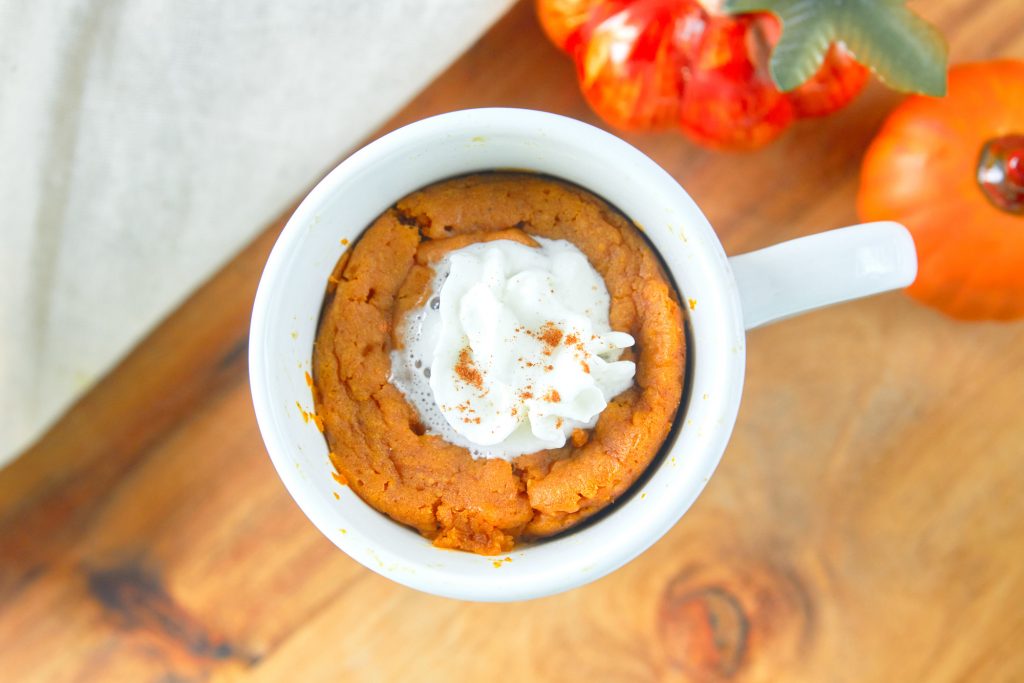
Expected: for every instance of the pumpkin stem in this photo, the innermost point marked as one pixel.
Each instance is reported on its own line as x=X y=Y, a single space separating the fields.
x=1001 y=172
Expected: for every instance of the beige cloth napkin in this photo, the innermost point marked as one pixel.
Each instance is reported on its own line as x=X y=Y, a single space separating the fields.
x=145 y=141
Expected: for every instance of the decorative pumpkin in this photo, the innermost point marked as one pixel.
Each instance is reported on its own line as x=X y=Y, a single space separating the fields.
x=656 y=64
x=952 y=171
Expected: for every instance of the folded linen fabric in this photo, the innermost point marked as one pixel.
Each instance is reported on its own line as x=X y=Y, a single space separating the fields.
x=145 y=142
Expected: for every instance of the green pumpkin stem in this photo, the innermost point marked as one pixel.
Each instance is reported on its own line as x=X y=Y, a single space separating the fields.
x=903 y=50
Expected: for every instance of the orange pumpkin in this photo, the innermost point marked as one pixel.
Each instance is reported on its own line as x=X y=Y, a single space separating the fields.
x=660 y=64
x=952 y=171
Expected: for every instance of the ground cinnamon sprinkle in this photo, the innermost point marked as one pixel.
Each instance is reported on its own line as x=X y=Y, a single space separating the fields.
x=462 y=407
x=550 y=335
x=552 y=397
x=467 y=371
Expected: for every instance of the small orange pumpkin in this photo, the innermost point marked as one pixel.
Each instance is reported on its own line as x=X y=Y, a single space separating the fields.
x=952 y=171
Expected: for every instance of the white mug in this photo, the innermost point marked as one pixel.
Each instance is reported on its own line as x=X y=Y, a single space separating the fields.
x=729 y=296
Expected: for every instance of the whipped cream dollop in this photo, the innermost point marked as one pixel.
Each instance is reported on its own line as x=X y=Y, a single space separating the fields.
x=513 y=350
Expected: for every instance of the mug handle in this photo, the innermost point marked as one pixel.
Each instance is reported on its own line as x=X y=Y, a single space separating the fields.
x=823 y=269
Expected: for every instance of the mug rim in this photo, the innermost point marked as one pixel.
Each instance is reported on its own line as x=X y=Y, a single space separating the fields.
x=727 y=320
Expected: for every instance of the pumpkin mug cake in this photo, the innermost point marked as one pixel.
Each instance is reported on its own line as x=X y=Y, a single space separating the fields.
x=499 y=357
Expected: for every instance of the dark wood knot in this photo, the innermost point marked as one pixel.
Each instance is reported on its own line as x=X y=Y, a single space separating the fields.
x=704 y=630
x=138 y=604
x=715 y=621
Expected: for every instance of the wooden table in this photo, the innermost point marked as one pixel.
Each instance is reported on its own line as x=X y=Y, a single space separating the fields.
x=866 y=522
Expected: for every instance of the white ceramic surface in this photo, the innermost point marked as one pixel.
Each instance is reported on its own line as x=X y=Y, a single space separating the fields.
x=776 y=282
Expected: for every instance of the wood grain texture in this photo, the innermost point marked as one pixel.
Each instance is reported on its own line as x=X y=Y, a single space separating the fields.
x=866 y=522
